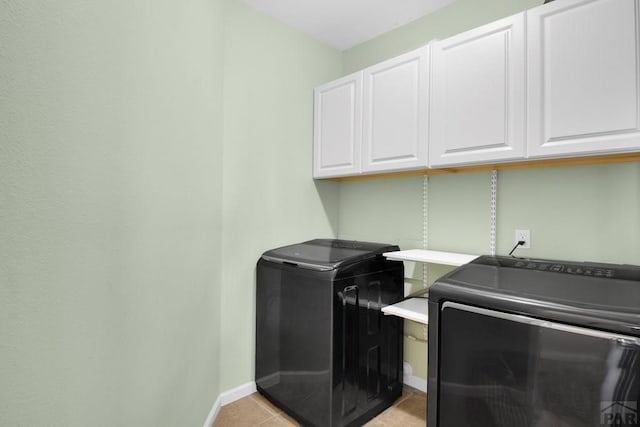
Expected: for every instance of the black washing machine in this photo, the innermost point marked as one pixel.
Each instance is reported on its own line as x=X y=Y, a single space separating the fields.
x=325 y=353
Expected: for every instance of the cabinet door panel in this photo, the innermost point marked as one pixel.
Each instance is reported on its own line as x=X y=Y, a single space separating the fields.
x=583 y=77
x=477 y=111
x=338 y=127
x=395 y=113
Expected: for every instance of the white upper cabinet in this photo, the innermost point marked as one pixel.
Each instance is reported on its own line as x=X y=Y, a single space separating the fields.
x=478 y=95
x=395 y=113
x=337 y=127
x=559 y=80
x=583 y=77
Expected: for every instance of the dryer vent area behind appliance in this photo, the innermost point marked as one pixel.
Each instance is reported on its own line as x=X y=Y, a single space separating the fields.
x=325 y=353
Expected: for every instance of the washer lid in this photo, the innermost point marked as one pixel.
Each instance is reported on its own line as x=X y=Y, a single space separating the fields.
x=327 y=254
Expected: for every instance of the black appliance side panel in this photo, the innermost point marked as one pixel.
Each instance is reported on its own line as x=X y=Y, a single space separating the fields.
x=294 y=340
x=368 y=346
x=432 y=363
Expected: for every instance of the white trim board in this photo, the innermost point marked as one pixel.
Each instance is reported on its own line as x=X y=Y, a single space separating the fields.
x=411 y=380
x=415 y=382
x=238 y=393
x=213 y=413
x=228 y=397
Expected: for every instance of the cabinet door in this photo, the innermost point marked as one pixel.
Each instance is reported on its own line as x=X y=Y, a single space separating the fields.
x=396 y=113
x=583 y=94
x=337 y=127
x=478 y=95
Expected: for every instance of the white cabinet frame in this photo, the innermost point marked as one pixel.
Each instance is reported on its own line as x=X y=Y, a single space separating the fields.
x=337 y=127
x=396 y=113
x=583 y=78
x=478 y=95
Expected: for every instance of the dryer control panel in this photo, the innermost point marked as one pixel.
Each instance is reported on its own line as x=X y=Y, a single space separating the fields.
x=592 y=269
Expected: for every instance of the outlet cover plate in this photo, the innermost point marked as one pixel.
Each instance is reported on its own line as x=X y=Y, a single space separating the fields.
x=523 y=235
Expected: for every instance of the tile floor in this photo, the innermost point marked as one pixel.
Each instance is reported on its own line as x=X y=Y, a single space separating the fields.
x=410 y=410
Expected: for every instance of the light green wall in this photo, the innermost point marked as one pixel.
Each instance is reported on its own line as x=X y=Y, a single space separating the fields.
x=459 y=16
x=270 y=198
x=127 y=282
x=574 y=213
x=130 y=224
x=110 y=219
x=583 y=213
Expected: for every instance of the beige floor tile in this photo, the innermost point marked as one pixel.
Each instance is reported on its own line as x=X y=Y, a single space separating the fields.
x=415 y=391
x=375 y=423
x=408 y=413
x=255 y=410
x=407 y=392
x=264 y=402
x=245 y=412
x=282 y=420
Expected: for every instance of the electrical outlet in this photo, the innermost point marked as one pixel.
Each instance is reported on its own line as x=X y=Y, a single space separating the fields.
x=524 y=235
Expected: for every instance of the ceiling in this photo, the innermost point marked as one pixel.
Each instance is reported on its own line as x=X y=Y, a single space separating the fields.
x=346 y=23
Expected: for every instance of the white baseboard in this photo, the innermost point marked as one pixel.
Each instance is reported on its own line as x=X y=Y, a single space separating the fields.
x=411 y=380
x=227 y=397
x=238 y=393
x=415 y=382
x=213 y=413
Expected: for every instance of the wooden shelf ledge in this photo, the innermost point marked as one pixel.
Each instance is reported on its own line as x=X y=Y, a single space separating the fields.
x=525 y=164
